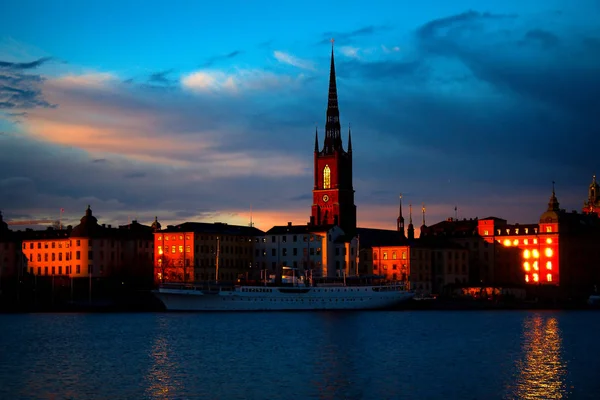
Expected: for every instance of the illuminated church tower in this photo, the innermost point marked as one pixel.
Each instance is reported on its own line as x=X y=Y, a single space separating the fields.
x=333 y=194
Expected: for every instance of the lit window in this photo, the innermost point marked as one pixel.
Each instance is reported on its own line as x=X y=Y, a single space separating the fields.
x=160 y=250
x=507 y=242
x=486 y=233
x=526 y=254
x=535 y=241
x=536 y=254
x=516 y=242
x=326 y=177
x=548 y=252
x=180 y=249
x=526 y=278
x=536 y=278
x=526 y=266
x=549 y=265
x=536 y=265
x=549 y=241
x=549 y=277
x=548 y=229
x=525 y=241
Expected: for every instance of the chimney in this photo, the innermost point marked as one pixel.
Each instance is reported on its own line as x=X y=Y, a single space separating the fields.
x=289 y=224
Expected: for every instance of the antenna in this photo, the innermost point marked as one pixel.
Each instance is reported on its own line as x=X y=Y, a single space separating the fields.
x=456 y=213
x=251 y=224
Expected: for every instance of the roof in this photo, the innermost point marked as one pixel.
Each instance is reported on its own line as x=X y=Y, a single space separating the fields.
x=298 y=229
x=436 y=242
x=370 y=237
x=214 y=228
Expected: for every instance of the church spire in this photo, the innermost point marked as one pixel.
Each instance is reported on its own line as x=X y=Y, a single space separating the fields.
x=333 y=139
x=411 y=227
x=553 y=204
x=400 y=218
x=349 y=140
x=316 y=139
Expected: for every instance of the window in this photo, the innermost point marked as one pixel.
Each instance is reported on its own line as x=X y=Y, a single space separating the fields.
x=187 y=249
x=273 y=240
x=53 y=257
x=181 y=249
x=295 y=251
x=60 y=270
x=295 y=238
x=78 y=255
x=39 y=245
x=284 y=251
x=393 y=255
x=46 y=257
x=273 y=252
x=78 y=243
x=53 y=245
x=548 y=229
x=59 y=256
x=385 y=255
x=78 y=269
x=404 y=255
x=90 y=255
x=326 y=177
x=284 y=239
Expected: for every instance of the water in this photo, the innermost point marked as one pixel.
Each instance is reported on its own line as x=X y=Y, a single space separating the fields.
x=301 y=355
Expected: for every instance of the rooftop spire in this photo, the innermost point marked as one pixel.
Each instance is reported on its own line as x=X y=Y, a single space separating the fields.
x=553 y=204
x=423 y=211
x=349 y=140
x=333 y=139
x=400 y=218
x=316 y=139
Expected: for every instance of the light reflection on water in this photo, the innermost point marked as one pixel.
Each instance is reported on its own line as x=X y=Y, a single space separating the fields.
x=541 y=372
x=354 y=355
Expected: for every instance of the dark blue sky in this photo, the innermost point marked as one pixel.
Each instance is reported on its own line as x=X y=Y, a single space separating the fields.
x=194 y=111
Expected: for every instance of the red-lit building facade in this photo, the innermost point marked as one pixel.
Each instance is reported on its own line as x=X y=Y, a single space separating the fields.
x=196 y=251
x=560 y=251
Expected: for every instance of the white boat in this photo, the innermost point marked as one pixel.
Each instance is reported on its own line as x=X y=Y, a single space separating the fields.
x=181 y=297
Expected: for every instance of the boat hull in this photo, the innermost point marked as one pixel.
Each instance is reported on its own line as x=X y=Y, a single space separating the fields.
x=283 y=299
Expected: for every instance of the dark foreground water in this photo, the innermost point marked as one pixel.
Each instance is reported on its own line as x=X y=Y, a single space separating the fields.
x=301 y=355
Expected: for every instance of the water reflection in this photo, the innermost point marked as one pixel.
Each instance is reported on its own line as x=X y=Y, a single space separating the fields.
x=160 y=382
x=541 y=374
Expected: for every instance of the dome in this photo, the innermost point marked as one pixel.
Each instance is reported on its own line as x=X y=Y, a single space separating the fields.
x=88 y=226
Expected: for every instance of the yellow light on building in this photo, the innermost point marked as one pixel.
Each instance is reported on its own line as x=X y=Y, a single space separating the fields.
x=526 y=278
x=536 y=254
x=549 y=265
x=525 y=241
x=526 y=254
x=549 y=241
x=526 y=266
x=507 y=242
x=536 y=265
x=536 y=278
x=516 y=242
x=535 y=241
x=548 y=252
x=549 y=277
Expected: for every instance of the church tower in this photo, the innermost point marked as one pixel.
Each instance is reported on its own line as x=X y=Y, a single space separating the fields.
x=333 y=194
x=592 y=205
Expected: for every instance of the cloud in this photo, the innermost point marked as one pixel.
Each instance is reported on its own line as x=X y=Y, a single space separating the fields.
x=347 y=37
x=24 y=65
x=389 y=50
x=543 y=38
x=349 y=51
x=287 y=58
x=161 y=77
x=20 y=90
x=241 y=80
x=215 y=59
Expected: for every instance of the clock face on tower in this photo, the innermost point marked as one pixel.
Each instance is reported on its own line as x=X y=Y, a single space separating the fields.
x=325 y=198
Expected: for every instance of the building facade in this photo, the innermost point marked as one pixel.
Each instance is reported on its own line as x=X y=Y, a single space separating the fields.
x=195 y=251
